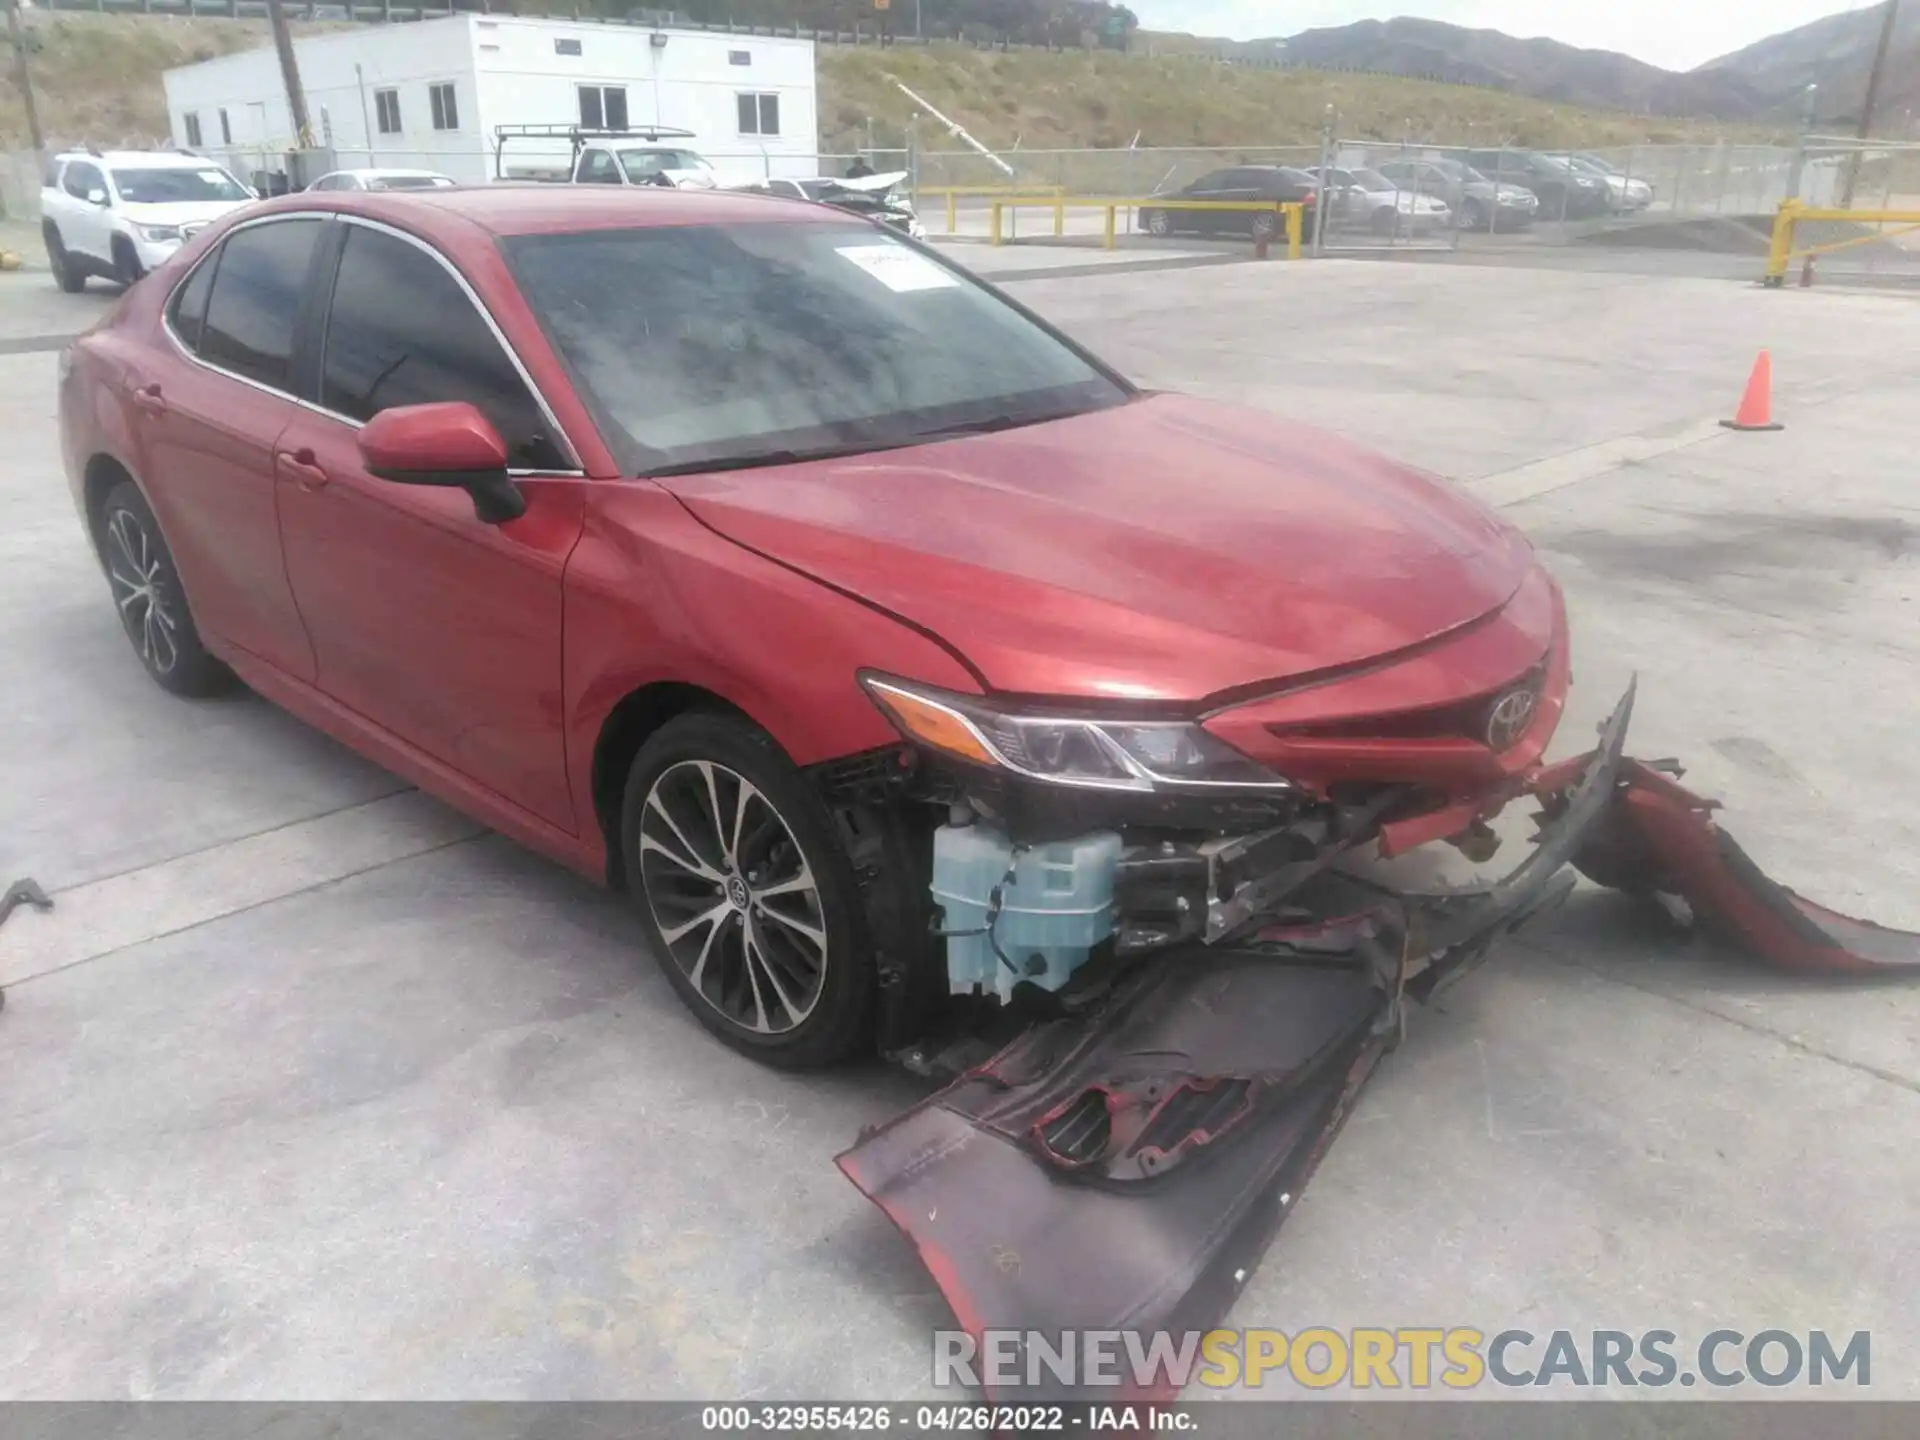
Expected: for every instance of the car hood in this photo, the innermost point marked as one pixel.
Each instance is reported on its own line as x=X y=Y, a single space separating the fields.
x=1168 y=549
x=179 y=212
x=1488 y=191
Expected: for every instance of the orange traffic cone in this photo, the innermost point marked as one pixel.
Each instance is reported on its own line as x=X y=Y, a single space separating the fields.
x=1756 y=406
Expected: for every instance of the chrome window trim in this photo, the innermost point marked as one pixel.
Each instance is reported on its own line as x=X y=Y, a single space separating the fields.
x=576 y=470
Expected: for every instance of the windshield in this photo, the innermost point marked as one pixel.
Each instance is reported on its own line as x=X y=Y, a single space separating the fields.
x=172 y=185
x=408 y=182
x=643 y=164
x=702 y=347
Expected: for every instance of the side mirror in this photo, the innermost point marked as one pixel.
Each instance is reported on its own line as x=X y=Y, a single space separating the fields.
x=449 y=444
x=96 y=196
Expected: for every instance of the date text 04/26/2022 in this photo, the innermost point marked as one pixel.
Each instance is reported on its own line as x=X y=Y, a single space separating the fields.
x=940 y=1419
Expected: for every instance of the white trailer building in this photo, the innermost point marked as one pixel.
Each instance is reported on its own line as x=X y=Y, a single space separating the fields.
x=430 y=94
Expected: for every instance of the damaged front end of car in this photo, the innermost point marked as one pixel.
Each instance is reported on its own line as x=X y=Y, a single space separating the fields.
x=1154 y=981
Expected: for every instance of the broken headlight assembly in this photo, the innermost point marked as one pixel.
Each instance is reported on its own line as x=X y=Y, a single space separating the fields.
x=1086 y=752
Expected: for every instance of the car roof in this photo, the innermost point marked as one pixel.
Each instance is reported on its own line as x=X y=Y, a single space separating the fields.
x=152 y=159
x=540 y=208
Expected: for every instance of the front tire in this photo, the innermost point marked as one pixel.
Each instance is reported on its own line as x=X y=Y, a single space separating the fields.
x=126 y=262
x=66 y=273
x=1159 y=224
x=150 y=601
x=750 y=906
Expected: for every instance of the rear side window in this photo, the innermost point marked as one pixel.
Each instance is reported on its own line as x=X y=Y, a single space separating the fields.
x=256 y=300
x=403 y=332
x=189 y=312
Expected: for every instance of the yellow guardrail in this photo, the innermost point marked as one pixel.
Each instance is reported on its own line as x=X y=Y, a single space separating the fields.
x=954 y=194
x=1781 y=253
x=1291 y=212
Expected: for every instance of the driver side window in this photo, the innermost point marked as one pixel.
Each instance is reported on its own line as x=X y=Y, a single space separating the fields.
x=597 y=167
x=402 y=331
x=82 y=179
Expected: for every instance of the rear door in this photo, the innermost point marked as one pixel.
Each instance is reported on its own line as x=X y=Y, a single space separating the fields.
x=211 y=407
x=440 y=629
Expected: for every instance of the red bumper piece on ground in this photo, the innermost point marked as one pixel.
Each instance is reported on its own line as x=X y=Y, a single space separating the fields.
x=1659 y=838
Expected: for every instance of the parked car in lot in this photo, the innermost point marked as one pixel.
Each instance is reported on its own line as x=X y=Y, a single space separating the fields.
x=720 y=547
x=1270 y=183
x=377 y=179
x=1369 y=198
x=1566 y=192
x=1476 y=202
x=874 y=197
x=121 y=213
x=1625 y=194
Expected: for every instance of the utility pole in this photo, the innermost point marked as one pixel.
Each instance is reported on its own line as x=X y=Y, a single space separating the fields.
x=23 y=81
x=290 y=75
x=1887 y=26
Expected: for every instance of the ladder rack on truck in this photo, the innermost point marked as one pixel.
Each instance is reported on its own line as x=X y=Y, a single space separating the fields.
x=577 y=138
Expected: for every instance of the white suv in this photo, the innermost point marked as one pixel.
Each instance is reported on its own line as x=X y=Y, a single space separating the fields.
x=121 y=213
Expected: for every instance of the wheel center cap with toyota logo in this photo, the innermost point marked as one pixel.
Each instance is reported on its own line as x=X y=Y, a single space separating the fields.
x=1512 y=713
x=737 y=892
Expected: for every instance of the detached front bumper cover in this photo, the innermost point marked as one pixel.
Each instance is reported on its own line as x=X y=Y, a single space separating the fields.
x=1124 y=1169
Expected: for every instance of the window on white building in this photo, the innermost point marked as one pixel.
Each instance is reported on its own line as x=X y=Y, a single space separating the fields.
x=386 y=111
x=739 y=57
x=192 y=119
x=603 y=107
x=566 y=47
x=226 y=129
x=446 y=110
x=759 y=114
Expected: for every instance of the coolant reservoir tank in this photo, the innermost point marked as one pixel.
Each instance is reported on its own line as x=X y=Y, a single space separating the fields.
x=1055 y=906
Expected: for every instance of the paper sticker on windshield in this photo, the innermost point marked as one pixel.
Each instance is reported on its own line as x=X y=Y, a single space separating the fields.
x=898 y=268
x=212 y=177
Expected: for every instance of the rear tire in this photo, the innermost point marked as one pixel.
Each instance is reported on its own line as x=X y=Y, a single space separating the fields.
x=1159 y=224
x=150 y=601
x=66 y=273
x=1265 y=226
x=742 y=882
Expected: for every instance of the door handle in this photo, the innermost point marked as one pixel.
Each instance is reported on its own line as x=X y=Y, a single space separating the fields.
x=149 y=399
x=302 y=468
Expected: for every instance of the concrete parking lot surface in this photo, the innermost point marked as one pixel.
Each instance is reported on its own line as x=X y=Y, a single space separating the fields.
x=313 y=1090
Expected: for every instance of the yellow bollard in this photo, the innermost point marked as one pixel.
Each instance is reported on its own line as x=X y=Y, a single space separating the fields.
x=1780 y=253
x=953 y=211
x=1059 y=218
x=1294 y=229
x=1113 y=226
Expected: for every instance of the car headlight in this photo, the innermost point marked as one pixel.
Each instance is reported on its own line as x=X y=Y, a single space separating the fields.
x=1090 y=753
x=154 y=233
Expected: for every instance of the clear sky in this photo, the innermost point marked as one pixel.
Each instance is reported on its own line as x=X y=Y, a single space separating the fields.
x=1678 y=34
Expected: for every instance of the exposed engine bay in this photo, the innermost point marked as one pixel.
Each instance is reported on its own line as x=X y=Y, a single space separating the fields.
x=1165 y=987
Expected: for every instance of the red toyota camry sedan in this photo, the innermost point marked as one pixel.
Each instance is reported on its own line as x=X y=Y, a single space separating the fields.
x=897 y=657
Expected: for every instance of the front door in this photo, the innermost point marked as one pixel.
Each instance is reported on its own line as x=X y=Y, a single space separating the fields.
x=87 y=228
x=440 y=629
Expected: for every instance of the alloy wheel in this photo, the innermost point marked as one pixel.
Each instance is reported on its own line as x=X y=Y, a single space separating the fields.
x=142 y=589
x=734 y=896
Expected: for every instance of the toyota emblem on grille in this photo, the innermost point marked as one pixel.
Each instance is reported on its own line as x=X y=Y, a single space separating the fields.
x=1510 y=717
